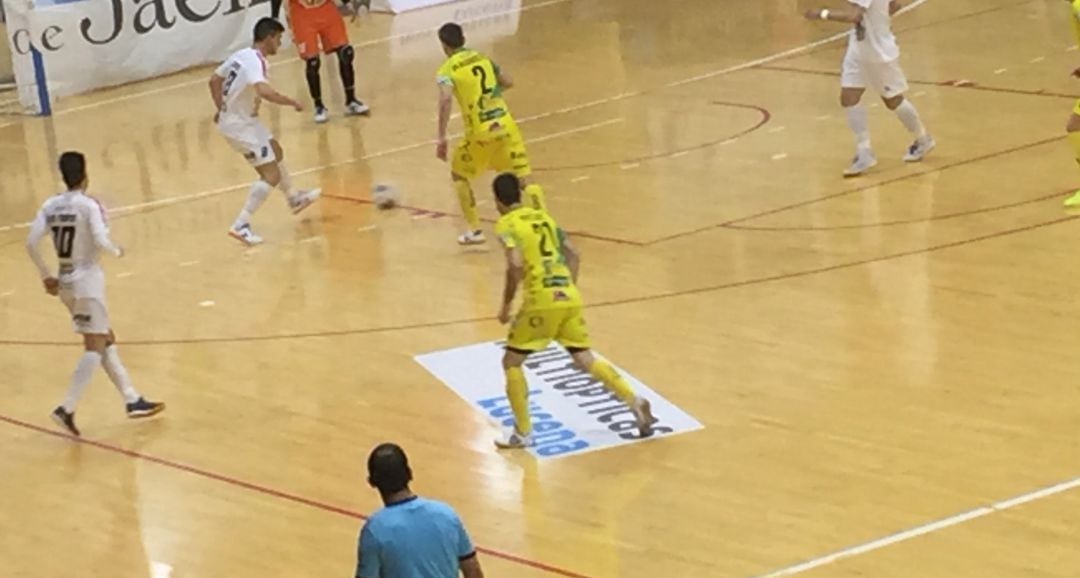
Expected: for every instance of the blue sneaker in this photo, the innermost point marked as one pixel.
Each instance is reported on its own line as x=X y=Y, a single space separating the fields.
x=143 y=408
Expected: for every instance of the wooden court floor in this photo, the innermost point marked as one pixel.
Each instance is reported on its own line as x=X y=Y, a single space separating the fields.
x=887 y=361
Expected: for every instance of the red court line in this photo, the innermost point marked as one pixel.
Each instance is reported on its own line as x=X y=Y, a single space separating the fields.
x=266 y=491
x=868 y=186
x=919 y=220
x=582 y=234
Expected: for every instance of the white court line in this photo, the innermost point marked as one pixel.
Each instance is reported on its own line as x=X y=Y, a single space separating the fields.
x=1001 y=71
x=779 y=156
x=220 y=190
x=608 y=100
x=776 y=129
x=366 y=44
x=188 y=264
x=925 y=529
x=580 y=179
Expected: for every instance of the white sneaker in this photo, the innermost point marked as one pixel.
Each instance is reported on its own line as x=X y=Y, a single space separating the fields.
x=643 y=414
x=513 y=441
x=472 y=238
x=320 y=115
x=303 y=200
x=863 y=161
x=919 y=149
x=356 y=108
x=245 y=235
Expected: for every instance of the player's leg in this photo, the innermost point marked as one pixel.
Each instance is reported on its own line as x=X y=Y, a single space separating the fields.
x=889 y=82
x=573 y=334
x=335 y=38
x=93 y=349
x=298 y=200
x=136 y=405
x=353 y=106
x=852 y=87
x=314 y=84
x=1072 y=130
x=512 y=156
x=469 y=157
x=530 y=331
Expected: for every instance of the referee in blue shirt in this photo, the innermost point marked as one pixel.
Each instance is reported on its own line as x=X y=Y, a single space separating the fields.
x=411 y=537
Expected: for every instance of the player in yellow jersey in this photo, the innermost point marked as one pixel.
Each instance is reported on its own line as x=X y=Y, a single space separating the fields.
x=541 y=258
x=491 y=138
x=1073 y=127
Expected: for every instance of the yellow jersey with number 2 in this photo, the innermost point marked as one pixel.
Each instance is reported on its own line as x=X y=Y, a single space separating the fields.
x=548 y=283
x=474 y=78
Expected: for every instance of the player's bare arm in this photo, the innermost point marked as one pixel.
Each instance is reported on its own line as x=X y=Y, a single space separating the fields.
x=571 y=255
x=852 y=14
x=267 y=92
x=217 y=93
x=506 y=82
x=895 y=6
x=446 y=100
x=515 y=271
x=470 y=568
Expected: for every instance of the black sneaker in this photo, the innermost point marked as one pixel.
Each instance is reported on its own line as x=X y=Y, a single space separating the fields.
x=65 y=420
x=143 y=408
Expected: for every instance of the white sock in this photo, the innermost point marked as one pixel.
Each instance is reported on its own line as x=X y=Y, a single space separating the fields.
x=84 y=370
x=856 y=119
x=259 y=191
x=286 y=181
x=910 y=117
x=119 y=375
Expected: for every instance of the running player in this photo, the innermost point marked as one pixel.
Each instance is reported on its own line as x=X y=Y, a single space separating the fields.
x=873 y=61
x=491 y=139
x=238 y=86
x=1073 y=127
x=79 y=233
x=319 y=22
x=539 y=254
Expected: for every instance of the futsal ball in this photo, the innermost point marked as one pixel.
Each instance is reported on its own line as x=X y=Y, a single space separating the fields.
x=385 y=196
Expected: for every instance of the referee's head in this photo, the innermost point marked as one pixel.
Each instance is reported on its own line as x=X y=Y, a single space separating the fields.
x=388 y=469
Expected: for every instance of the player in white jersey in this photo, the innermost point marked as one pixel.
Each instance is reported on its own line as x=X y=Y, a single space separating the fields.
x=238 y=86
x=873 y=61
x=79 y=233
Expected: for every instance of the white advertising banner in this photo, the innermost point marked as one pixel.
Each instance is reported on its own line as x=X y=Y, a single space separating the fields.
x=412 y=35
x=572 y=413
x=399 y=6
x=88 y=44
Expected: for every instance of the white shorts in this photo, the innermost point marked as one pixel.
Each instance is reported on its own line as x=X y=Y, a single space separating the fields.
x=88 y=315
x=250 y=138
x=885 y=78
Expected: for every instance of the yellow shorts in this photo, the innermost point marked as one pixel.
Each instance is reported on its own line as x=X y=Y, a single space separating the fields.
x=1076 y=108
x=502 y=153
x=534 y=330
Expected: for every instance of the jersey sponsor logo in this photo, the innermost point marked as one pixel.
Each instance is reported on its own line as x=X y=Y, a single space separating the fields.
x=572 y=412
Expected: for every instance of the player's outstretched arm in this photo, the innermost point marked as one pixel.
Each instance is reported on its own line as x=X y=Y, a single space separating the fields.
x=853 y=14
x=267 y=92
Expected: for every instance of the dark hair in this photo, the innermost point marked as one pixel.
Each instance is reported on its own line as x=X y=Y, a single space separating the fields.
x=452 y=35
x=507 y=189
x=388 y=469
x=73 y=168
x=267 y=27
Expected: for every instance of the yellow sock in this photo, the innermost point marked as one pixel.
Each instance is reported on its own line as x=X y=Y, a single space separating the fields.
x=468 y=203
x=603 y=371
x=518 y=392
x=535 y=194
x=1074 y=142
